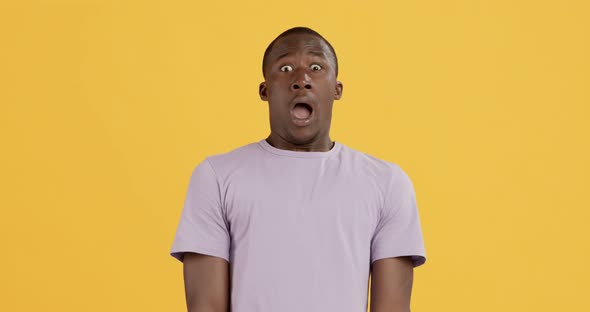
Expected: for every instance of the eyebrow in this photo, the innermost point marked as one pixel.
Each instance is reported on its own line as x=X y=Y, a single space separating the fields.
x=282 y=56
x=316 y=53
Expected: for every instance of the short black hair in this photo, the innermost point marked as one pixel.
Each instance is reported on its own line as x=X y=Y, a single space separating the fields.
x=293 y=31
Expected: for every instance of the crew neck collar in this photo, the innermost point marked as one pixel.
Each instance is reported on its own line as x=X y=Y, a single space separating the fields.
x=288 y=153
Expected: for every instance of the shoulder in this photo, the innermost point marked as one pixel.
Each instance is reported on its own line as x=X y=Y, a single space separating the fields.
x=224 y=163
x=385 y=175
x=380 y=168
x=234 y=155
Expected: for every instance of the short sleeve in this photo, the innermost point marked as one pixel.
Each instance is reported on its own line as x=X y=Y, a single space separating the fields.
x=202 y=228
x=398 y=232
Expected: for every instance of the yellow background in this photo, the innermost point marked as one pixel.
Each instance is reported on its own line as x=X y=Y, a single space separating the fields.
x=107 y=106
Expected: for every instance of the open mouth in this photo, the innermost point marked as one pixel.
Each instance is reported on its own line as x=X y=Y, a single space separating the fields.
x=302 y=111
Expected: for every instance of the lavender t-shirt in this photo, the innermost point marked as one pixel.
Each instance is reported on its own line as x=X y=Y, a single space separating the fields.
x=299 y=229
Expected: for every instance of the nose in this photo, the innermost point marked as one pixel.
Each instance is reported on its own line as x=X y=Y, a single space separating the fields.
x=301 y=81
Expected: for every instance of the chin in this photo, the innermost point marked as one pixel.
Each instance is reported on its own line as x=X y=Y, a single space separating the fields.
x=302 y=137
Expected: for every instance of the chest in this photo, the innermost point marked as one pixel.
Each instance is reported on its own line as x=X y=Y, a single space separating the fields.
x=304 y=206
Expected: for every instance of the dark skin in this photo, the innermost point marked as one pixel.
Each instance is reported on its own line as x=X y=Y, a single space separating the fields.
x=300 y=69
x=206 y=283
x=391 y=284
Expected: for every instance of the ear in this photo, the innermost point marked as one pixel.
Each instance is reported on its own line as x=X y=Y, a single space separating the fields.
x=262 y=91
x=338 y=93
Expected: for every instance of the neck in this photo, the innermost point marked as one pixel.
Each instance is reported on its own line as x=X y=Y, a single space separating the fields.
x=321 y=145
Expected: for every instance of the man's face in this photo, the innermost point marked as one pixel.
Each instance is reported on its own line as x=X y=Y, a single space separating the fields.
x=300 y=88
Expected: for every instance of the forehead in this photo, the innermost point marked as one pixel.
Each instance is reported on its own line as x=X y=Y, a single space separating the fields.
x=299 y=43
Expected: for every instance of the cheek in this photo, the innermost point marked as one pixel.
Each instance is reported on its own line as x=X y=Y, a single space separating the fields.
x=276 y=108
x=276 y=91
x=328 y=91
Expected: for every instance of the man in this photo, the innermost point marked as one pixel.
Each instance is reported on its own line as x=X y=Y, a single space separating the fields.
x=297 y=222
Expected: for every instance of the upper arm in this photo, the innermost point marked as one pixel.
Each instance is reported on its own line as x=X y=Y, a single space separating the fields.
x=207 y=283
x=203 y=226
x=202 y=243
x=391 y=284
x=398 y=232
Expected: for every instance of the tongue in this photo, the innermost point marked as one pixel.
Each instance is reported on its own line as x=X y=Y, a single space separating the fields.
x=301 y=111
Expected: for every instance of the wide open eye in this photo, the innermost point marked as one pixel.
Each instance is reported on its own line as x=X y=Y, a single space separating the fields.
x=286 y=68
x=316 y=67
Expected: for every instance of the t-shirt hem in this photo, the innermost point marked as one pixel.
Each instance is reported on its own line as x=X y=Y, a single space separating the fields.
x=178 y=253
x=418 y=258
